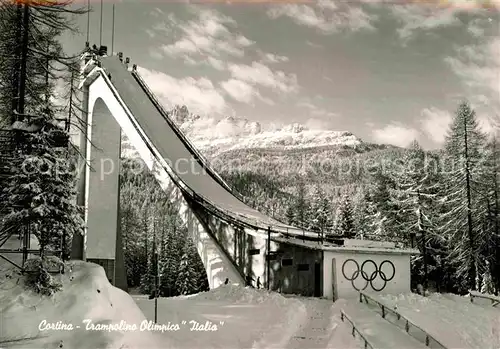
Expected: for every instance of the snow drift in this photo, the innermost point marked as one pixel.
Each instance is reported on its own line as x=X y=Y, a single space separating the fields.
x=87 y=300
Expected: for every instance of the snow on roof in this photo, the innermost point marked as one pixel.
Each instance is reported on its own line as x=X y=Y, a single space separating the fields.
x=351 y=245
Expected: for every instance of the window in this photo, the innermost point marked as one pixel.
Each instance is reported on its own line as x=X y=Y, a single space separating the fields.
x=303 y=267
x=254 y=251
x=286 y=262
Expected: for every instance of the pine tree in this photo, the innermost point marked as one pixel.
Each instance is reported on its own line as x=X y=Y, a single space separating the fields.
x=10 y=58
x=345 y=219
x=491 y=183
x=290 y=214
x=173 y=245
x=487 y=281
x=464 y=144
x=365 y=214
x=416 y=194
x=383 y=222
x=300 y=207
x=41 y=190
x=320 y=213
x=186 y=282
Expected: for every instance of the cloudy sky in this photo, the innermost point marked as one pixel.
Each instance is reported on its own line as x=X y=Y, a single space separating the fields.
x=387 y=73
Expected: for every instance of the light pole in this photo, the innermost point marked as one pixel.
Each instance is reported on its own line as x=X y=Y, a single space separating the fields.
x=268 y=260
x=155 y=261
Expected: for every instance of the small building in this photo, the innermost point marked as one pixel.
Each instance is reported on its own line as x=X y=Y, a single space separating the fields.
x=341 y=269
x=363 y=265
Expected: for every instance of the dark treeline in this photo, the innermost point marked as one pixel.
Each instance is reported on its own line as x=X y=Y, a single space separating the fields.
x=149 y=223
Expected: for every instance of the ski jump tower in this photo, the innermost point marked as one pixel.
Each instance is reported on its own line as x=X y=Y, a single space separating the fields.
x=116 y=100
x=235 y=241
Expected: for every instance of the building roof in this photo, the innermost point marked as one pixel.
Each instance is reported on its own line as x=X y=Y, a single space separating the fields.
x=351 y=245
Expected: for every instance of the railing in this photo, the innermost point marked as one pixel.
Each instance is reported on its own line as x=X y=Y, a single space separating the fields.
x=173 y=176
x=408 y=324
x=202 y=160
x=494 y=299
x=221 y=213
x=367 y=344
x=194 y=151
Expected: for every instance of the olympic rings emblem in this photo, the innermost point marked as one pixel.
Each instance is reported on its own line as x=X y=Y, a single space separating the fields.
x=369 y=279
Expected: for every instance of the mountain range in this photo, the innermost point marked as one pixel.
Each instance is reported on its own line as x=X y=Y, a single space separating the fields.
x=284 y=154
x=216 y=136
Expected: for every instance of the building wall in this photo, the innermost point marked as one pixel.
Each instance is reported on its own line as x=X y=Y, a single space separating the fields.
x=297 y=270
x=248 y=249
x=345 y=269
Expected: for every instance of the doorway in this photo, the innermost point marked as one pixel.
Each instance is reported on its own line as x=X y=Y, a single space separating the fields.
x=317 y=279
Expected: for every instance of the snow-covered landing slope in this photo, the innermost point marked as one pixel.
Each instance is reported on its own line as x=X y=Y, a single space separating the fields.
x=456 y=324
x=244 y=317
x=249 y=318
x=86 y=294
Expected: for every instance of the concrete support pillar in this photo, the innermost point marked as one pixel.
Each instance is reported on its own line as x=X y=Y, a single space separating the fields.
x=103 y=243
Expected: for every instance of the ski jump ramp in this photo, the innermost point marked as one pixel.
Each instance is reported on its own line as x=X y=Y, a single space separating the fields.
x=232 y=238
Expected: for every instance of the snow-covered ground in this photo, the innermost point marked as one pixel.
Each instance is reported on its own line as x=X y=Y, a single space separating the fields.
x=26 y=318
x=226 y=317
x=250 y=318
x=452 y=320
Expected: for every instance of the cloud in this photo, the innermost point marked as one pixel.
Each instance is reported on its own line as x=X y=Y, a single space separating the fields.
x=421 y=17
x=199 y=95
x=260 y=74
x=395 y=134
x=478 y=66
x=326 y=16
x=475 y=28
x=487 y=123
x=435 y=123
x=211 y=34
x=314 y=45
x=242 y=91
x=272 y=58
x=314 y=110
x=155 y=54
